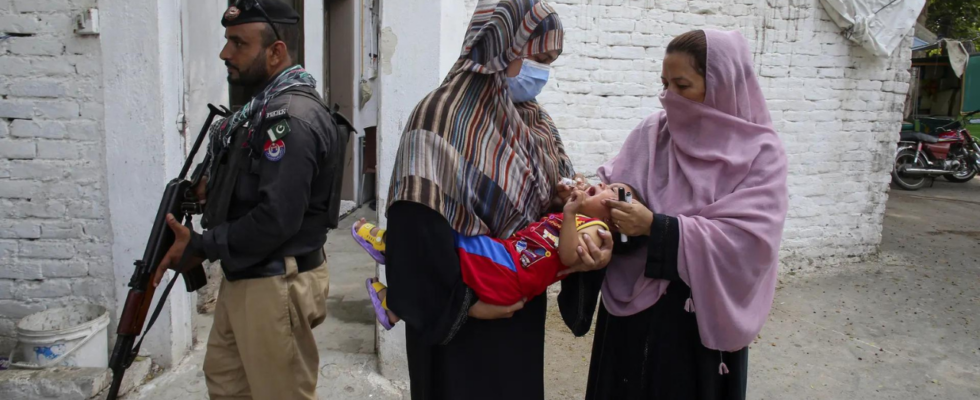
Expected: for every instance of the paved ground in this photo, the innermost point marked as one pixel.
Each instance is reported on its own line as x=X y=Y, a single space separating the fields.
x=905 y=327
x=901 y=327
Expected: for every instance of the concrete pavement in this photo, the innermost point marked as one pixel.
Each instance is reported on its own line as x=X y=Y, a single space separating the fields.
x=904 y=327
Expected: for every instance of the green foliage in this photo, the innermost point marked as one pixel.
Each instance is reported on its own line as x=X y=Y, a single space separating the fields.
x=974 y=130
x=955 y=19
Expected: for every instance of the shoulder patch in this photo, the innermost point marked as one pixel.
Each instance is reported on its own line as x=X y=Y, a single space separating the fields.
x=278 y=131
x=274 y=150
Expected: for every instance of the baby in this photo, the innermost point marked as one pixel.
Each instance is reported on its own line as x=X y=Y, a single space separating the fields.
x=504 y=272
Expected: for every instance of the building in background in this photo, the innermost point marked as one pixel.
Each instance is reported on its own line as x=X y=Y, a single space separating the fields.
x=95 y=121
x=93 y=125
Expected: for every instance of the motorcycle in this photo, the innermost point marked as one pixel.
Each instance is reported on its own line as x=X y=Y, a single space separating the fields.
x=948 y=151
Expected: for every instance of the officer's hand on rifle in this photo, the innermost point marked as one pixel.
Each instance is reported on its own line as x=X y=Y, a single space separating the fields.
x=182 y=236
x=200 y=190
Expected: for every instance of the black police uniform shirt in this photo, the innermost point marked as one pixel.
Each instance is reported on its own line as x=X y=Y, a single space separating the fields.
x=288 y=196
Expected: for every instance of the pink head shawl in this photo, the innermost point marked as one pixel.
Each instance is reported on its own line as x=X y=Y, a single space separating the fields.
x=720 y=168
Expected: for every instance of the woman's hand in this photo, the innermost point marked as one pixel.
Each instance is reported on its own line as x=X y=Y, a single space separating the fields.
x=596 y=257
x=200 y=191
x=563 y=191
x=482 y=310
x=631 y=219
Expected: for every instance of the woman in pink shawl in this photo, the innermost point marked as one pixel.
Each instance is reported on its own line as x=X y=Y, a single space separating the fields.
x=691 y=288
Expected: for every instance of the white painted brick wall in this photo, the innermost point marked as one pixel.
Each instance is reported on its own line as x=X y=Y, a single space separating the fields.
x=54 y=227
x=836 y=107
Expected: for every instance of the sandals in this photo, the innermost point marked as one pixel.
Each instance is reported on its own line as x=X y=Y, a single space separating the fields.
x=373 y=245
x=374 y=288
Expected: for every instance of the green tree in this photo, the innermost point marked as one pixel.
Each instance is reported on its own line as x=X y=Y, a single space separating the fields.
x=954 y=19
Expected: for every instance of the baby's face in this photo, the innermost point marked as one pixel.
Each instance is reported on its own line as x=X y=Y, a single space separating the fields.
x=595 y=194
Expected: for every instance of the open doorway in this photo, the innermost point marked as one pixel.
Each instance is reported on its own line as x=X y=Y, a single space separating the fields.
x=352 y=71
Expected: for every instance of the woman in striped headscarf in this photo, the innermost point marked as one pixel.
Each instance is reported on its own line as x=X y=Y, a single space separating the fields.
x=473 y=162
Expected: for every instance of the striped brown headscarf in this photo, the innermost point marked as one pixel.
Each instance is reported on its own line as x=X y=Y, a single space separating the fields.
x=467 y=151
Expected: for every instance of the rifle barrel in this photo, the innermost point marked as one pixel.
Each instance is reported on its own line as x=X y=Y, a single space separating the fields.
x=198 y=141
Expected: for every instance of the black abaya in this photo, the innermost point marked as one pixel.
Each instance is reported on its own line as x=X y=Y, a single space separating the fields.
x=451 y=356
x=656 y=353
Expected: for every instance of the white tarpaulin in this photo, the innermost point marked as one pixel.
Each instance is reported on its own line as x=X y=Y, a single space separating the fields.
x=958 y=57
x=877 y=25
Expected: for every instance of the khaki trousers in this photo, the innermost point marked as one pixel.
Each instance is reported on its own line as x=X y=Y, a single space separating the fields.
x=261 y=345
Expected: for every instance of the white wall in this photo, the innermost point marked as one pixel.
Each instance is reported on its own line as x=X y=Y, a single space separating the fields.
x=410 y=69
x=837 y=108
x=313 y=32
x=144 y=147
x=55 y=234
x=417 y=51
x=205 y=76
x=456 y=16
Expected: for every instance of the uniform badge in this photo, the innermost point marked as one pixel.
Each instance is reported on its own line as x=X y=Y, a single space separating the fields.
x=276 y=114
x=274 y=150
x=278 y=131
x=520 y=245
x=231 y=13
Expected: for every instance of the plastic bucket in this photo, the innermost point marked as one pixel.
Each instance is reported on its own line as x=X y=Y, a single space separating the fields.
x=73 y=336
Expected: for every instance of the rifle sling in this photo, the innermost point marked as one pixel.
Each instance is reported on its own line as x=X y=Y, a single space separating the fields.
x=153 y=319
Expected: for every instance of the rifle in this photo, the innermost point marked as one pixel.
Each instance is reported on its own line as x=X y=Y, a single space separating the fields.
x=179 y=200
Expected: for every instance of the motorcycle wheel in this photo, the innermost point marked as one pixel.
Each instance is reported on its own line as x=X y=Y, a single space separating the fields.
x=907 y=158
x=962 y=176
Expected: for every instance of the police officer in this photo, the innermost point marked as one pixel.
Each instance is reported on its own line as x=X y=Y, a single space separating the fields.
x=270 y=194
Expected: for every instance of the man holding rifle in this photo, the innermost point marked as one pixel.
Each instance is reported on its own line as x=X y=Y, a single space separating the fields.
x=272 y=192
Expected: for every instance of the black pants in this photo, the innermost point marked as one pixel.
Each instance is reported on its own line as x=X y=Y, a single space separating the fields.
x=657 y=354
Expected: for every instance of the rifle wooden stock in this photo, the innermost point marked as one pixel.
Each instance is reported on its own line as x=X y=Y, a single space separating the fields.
x=135 y=309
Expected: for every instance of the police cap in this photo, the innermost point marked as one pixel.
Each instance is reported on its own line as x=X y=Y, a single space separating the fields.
x=269 y=11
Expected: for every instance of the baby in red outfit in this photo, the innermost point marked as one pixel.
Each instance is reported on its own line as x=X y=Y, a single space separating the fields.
x=506 y=271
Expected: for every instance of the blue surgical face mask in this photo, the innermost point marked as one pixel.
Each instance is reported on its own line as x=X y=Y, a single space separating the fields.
x=529 y=83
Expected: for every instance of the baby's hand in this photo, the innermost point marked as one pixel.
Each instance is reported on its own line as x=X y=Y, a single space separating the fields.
x=575 y=201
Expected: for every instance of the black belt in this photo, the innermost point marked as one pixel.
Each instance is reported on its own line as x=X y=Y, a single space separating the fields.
x=304 y=262
x=311 y=260
x=277 y=266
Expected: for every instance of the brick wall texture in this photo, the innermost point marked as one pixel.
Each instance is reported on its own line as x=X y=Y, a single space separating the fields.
x=54 y=227
x=836 y=107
